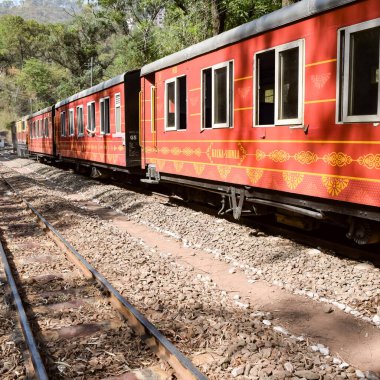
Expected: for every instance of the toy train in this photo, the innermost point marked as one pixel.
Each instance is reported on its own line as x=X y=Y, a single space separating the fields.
x=280 y=115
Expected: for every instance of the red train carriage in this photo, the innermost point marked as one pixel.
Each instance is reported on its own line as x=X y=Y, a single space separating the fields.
x=41 y=133
x=22 y=136
x=277 y=115
x=99 y=126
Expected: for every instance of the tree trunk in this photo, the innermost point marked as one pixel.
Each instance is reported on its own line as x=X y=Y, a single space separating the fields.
x=218 y=14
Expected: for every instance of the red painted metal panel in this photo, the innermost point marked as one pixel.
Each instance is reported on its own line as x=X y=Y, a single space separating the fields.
x=41 y=143
x=102 y=148
x=333 y=160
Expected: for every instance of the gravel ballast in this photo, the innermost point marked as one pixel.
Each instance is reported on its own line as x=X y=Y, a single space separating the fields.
x=228 y=341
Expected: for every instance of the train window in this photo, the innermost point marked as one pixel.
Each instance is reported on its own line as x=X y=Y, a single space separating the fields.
x=176 y=104
x=71 y=122
x=105 y=116
x=359 y=90
x=80 y=123
x=217 y=96
x=91 y=117
x=23 y=125
x=279 y=85
x=63 y=123
x=117 y=113
x=46 y=122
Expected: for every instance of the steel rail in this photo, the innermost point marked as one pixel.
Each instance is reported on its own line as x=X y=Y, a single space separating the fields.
x=38 y=365
x=157 y=342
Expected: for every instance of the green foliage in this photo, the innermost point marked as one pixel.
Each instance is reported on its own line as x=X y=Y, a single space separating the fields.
x=43 y=63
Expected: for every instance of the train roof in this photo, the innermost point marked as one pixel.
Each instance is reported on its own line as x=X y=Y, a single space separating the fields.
x=281 y=17
x=38 y=113
x=94 y=89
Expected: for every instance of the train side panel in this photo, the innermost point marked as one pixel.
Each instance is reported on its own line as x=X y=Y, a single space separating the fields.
x=316 y=152
x=41 y=133
x=100 y=125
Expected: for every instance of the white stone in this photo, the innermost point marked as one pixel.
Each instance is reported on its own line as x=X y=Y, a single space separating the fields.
x=266 y=322
x=242 y=305
x=359 y=374
x=337 y=361
x=344 y=365
x=363 y=266
x=324 y=351
x=314 y=348
x=236 y=297
x=232 y=270
x=237 y=371
x=376 y=319
x=288 y=367
x=281 y=330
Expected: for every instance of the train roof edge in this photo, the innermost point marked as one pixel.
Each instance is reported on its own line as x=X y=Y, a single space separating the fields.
x=38 y=113
x=281 y=17
x=94 y=89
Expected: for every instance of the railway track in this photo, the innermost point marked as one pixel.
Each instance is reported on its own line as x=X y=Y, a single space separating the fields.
x=68 y=323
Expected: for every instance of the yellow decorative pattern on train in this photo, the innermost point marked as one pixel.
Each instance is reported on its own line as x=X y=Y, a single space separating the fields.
x=161 y=164
x=306 y=157
x=260 y=155
x=176 y=151
x=188 y=151
x=224 y=171
x=292 y=179
x=279 y=156
x=178 y=166
x=334 y=185
x=370 y=161
x=198 y=152
x=165 y=150
x=254 y=175
x=199 y=168
x=337 y=159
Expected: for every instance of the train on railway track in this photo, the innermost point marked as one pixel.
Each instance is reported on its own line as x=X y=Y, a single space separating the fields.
x=277 y=116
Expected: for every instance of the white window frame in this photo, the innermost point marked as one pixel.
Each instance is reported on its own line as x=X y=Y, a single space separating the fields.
x=213 y=69
x=301 y=84
x=102 y=126
x=80 y=133
x=63 y=130
x=90 y=130
x=230 y=93
x=153 y=109
x=171 y=80
x=118 y=127
x=71 y=122
x=343 y=98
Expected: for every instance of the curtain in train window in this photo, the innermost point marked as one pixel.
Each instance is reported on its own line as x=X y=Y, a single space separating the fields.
x=359 y=99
